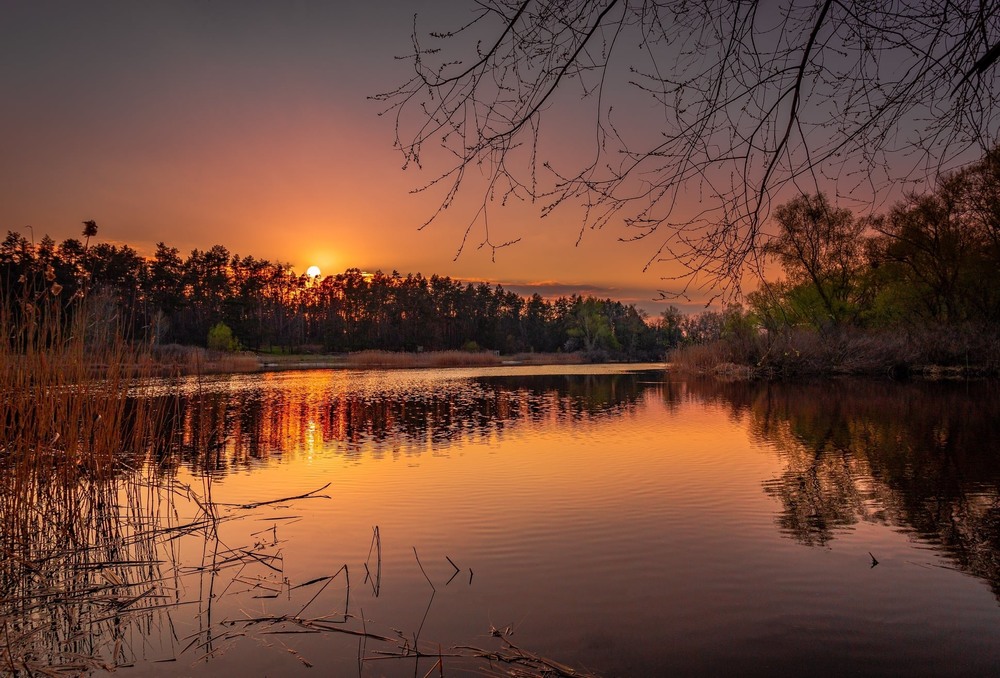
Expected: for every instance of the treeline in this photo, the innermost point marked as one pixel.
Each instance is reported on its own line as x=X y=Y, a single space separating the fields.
x=919 y=284
x=214 y=296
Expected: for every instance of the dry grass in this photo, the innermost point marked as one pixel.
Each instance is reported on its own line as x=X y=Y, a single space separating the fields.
x=576 y=358
x=171 y=359
x=388 y=359
x=64 y=402
x=71 y=488
x=929 y=351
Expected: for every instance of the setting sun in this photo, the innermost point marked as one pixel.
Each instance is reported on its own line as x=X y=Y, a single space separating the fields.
x=313 y=271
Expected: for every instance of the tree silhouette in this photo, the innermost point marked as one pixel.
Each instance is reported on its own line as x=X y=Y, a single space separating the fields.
x=704 y=111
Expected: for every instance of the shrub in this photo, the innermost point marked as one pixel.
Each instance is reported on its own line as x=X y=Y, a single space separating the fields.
x=220 y=338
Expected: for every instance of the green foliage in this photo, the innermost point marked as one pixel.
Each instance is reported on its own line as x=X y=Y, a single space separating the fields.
x=915 y=286
x=220 y=338
x=671 y=332
x=937 y=256
x=591 y=327
x=820 y=249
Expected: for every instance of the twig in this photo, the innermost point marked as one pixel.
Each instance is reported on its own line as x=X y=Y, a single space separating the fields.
x=343 y=568
x=422 y=569
x=308 y=495
x=376 y=545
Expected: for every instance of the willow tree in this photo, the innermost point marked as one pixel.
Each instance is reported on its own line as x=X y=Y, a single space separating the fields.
x=702 y=113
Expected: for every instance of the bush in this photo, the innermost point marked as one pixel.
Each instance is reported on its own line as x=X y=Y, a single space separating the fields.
x=220 y=338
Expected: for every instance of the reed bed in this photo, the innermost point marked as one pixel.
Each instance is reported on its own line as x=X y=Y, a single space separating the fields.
x=76 y=550
x=93 y=518
x=575 y=358
x=65 y=411
x=933 y=352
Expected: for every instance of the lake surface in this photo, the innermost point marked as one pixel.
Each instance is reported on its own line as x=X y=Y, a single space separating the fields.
x=610 y=518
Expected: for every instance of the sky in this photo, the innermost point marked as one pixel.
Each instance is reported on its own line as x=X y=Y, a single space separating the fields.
x=250 y=125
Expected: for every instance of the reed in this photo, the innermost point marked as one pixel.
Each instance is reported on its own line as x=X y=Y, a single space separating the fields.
x=575 y=358
x=92 y=522
x=931 y=351
x=65 y=381
x=76 y=557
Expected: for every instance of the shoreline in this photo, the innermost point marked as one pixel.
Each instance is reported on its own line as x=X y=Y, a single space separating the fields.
x=409 y=360
x=250 y=363
x=188 y=361
x=929 y=372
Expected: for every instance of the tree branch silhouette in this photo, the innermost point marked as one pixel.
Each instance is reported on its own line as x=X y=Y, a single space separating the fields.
x=704 y=112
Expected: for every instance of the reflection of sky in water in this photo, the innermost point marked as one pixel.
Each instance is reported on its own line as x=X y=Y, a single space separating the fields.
x=617 y=520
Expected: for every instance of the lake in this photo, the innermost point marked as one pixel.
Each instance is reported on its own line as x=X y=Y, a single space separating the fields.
x=613 y=519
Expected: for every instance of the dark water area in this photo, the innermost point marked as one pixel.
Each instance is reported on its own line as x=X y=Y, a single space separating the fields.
x=612 y=518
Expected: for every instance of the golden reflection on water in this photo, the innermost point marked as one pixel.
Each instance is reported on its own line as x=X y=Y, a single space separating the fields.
x=846 y=452
x=242 y=420
x=619 y=520
x=703 y=494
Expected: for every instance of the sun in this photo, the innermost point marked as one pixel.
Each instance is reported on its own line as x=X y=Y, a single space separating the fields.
x=313 y=271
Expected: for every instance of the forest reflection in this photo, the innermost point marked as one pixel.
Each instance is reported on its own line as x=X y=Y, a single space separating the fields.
x=217 y=430
x=920 y=457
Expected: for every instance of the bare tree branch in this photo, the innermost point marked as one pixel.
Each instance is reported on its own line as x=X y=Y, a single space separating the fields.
x=705 y=112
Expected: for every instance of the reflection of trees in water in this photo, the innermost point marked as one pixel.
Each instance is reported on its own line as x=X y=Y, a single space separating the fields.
x=918 y=456
x=233 y=429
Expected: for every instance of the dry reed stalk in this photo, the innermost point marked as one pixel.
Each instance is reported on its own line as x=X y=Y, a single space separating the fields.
x=526 y=664
x=376 y=546
x=80 y=513
x=90 y=527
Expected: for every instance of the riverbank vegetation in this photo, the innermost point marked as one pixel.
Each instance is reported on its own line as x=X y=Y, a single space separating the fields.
x=99 y=498
x=916 y=289
x=77 y=558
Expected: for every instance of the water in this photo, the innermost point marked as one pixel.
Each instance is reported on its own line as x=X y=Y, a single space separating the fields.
x=610 y=518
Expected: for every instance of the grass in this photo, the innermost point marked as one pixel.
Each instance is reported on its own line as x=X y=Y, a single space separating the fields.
x=72 y=487
x=175 y=359
x=372 y=359
x=576 y=358
x=65 y=397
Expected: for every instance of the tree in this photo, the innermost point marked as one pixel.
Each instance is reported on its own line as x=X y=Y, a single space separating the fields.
x=939 y=251
x=670 y=328
x=821 y=247
x=590 y=325
x=705 y=113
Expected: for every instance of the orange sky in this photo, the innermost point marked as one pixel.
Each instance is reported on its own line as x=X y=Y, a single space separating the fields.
x=249 y=126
